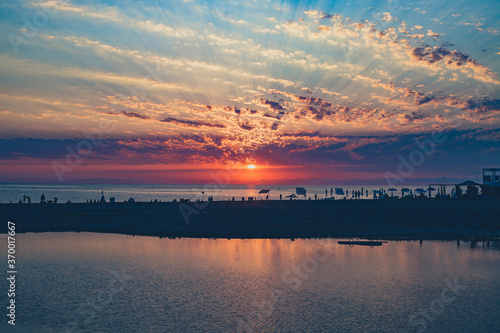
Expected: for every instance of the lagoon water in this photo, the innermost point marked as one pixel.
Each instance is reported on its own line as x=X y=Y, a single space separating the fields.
x=91 y=282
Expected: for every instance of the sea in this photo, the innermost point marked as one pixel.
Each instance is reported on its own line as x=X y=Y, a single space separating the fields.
x=90 y=282
x=82 y=192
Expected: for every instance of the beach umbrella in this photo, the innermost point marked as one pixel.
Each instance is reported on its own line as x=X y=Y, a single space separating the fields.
x=392 y=189
x=420 y=190
x=469 y=182
x=430 y=189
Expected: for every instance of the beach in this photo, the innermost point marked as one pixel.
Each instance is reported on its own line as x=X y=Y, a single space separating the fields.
x=445 y=219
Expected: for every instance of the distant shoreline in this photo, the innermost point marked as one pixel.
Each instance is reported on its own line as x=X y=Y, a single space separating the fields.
x=428 y=219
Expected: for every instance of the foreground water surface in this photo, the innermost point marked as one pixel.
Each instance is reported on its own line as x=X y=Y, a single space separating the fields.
x=87 y=282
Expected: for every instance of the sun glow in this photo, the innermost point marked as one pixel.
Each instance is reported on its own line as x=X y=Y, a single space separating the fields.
x=251 y=166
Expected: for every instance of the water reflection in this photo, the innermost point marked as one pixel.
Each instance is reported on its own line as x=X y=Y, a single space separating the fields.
x=259 y=285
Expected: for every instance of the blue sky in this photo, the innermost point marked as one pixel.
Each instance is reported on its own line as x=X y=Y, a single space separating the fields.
x=342 y=88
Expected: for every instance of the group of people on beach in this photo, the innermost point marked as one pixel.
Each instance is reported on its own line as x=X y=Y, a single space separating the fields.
x=456 y=193
x=26 y=199
x=43 y=200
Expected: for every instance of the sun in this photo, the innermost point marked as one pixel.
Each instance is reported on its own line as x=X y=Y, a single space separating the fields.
x=251 y=166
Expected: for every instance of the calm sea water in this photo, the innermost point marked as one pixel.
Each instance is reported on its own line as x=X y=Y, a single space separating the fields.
x=116 y=283
x=82 y=192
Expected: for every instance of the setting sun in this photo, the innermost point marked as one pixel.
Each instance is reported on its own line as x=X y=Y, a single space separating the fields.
x=251 y=166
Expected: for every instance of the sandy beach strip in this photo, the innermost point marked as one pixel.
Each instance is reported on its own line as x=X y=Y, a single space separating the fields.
x=369 y=219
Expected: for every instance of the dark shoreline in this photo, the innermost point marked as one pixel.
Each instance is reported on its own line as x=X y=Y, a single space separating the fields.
x=426 y=219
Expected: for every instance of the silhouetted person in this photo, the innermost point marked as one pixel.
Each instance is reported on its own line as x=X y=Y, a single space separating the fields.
x=315 y=197
x=29 y=199
x=43 y=199
x=281 y=196
x=55 y=200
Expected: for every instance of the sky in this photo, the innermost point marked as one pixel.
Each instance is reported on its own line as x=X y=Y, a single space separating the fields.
x=190 y=92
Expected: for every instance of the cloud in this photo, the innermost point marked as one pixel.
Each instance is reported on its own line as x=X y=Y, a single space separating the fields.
x=387 y=17
x=273 y=106
x=414 y=116
x=135 y=115
x=317 y=15
x=432 y=34
x=246 y=127
x=453 y=59
x=191 y=123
